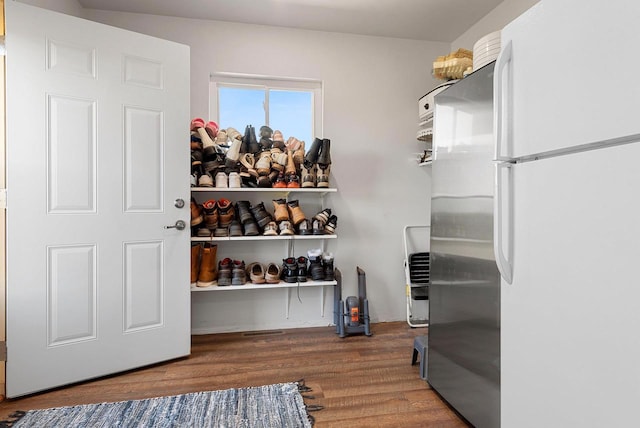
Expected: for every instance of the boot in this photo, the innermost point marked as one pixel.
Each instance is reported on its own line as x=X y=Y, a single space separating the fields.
x=290 y=271
x=233 y=154
x=263 y=164
x=261 y=215
x=308 y=176
x=295 y=212
x=196 y=213
x=208 y=273
x=210 y=208
x=302 y=269
x=242 y=209
x=224 y=272
x=278 y=140
x=265 y=137
x=327 y=264
x=281 y=212
x=324 y=159
x=244 y=147
x=290 y=168
x=312 y=155
x=322 y=179
x=195 y=264
x=238 y=273
x=298 y=156
x=254 y=147
x=315 y=269
x=225 y=212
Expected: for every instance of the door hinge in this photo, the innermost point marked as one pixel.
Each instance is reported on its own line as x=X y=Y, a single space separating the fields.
x=3 y=351
x=3 y=199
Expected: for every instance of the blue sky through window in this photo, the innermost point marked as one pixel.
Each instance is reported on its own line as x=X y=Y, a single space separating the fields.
x=289 y=111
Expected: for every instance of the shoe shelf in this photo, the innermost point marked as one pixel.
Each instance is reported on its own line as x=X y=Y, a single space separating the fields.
x=261 y=238
x=287 y=190
x=288 y=286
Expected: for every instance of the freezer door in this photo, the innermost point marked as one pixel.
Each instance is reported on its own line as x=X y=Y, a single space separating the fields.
x=570 y=342
x=464 y=339
x=572 y=76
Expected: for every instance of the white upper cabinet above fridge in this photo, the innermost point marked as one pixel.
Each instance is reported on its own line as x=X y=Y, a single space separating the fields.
x=567 y=74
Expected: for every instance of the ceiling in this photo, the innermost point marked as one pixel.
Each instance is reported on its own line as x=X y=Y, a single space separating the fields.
x=434 y=20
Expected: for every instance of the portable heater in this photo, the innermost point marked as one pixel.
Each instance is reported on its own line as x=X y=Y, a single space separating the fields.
x=351 y=316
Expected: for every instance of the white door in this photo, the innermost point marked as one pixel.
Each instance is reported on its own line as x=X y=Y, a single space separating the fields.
x=97 y=154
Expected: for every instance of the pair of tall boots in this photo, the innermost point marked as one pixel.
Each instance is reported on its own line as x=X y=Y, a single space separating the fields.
x=317 y=164
x=204 y=268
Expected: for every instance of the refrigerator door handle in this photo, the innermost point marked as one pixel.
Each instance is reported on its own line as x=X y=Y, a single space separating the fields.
x=499 y=96
x=500 y=227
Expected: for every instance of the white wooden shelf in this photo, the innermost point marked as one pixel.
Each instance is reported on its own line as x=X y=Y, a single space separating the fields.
x=316 y=190
x=261 y=238
x=252 y=286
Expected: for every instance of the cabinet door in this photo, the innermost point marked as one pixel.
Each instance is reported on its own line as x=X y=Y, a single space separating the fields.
x=96 y=118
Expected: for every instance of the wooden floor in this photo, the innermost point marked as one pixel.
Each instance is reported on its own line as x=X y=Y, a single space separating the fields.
x=361 y=381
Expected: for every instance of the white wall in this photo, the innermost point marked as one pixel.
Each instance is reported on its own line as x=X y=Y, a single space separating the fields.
x=371 y=88
x=503 y=14
x=69 y=7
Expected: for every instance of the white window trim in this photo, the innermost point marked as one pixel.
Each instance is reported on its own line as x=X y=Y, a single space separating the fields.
x=268 y=82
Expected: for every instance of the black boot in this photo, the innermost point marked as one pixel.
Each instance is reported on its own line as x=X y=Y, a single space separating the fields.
x=253 y=142
x=312 y=155
x=324 y=159
x=315 y=269
x=302 y=269
x=244 y=147
x=327 y=262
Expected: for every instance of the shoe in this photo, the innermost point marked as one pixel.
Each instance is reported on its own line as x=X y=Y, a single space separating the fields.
x=280 y=183
x=243 y=211
x=290 y=167
x=286 y=228
x=327 y=265
x=263 y=164
x=281 y=211
x=265 y=137
x=298 y=156
x=248 y=161
x=330 y=227
x=324 y=158
x=317 y=227
x=233 y=153
x=261 y=215
x=226 y=212
x=221 y=232
x=224 y=272
x=322 y=180
x=198 y=126
x=205 y=180
x=254 y=147
x=312 y=155
x=251 y=228
x=212 y=129
x=222 y=137
x=195 y=263
x=208 y=272
x=290 y=270
x=315 y=269
x=271 y=229
x=210 y=209
x=264 y=181
x=233 y=134
x=305 y=227
x=235 y=229
x=302 y=269
x=323 y=215
x=203 y=232
x=256 y=273
x=278 y=140
x=238 y=273
x=278 y=159
x=272 y=274
x=234 y=180
x=196 y=213
x=309 y=176
x=295 y=212
x=293 y=182
x=222 y=180
x=196 y=142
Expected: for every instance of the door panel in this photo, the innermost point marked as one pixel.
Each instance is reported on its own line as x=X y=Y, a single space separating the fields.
x=96 y=157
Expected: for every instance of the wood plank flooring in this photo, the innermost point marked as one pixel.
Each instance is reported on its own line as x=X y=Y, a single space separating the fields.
x=361 y=381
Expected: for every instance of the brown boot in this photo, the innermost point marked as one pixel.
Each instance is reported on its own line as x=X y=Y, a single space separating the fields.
x=195 y=263
x=291 y=166
x=208 y=266
x=196 y=213
x=281 y=213
x=210 y=208
x=295 y=212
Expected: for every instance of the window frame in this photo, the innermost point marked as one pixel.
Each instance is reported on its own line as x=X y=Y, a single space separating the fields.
x=266 y=83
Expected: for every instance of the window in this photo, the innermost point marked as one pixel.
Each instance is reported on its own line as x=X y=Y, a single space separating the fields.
x=292 y=106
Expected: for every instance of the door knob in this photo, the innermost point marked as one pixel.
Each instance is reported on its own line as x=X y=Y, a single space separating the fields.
x=180 y=225
x=179 y=203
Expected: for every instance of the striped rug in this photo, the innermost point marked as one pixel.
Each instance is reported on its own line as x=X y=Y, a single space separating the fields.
x=279 y=405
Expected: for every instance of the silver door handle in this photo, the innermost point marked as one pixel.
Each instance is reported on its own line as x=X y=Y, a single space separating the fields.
x=180 y=225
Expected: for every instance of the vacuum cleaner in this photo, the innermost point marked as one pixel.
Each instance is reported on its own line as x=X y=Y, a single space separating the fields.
x=351 y=316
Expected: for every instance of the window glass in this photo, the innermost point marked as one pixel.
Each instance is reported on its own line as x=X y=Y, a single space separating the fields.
x=292 y=113
x=240 y=107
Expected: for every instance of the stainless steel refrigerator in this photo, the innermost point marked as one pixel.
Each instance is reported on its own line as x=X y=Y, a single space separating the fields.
x=464 y=294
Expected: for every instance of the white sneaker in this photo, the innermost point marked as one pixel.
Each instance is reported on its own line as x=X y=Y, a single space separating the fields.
x=205 y=180
x=234 y=180
x=221 y=180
